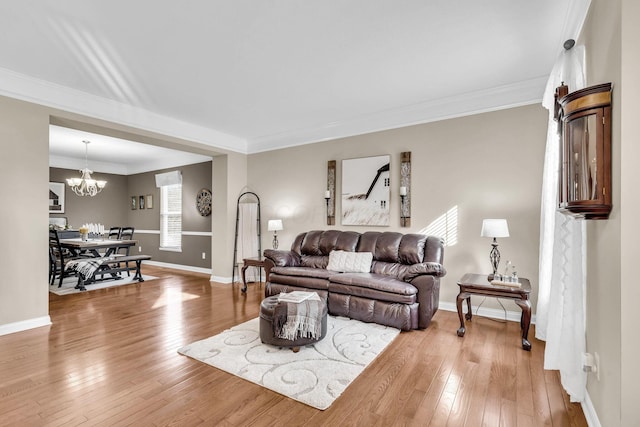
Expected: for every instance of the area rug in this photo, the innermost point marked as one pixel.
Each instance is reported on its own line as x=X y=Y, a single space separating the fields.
x=69 y=283
x=316 y=375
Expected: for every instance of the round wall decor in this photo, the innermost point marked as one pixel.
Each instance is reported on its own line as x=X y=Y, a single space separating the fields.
x=203 y=202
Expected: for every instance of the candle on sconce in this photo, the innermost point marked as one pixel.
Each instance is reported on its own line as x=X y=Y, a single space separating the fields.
x=403 y=191
x=327 y=194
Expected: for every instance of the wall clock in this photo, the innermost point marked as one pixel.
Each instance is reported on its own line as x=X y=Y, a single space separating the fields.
x=203 y=202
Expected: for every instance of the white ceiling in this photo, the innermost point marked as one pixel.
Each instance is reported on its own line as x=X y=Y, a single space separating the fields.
x=250 y=76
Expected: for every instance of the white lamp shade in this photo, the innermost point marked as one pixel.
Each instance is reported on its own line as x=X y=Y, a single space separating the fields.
x=275 y=225
x=494 y=228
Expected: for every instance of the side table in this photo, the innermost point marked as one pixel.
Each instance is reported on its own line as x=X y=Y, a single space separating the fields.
x=479 y=284
x=251 y=262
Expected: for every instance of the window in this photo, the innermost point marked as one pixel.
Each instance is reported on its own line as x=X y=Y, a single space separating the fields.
x=171 y=217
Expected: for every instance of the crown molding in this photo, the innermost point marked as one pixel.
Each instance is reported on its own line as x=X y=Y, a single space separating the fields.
x=507 y=96
x=37 y=91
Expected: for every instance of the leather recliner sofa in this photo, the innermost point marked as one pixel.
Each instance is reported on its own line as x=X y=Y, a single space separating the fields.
x=401 y=289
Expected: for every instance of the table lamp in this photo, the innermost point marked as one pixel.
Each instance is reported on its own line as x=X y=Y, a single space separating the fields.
x=494 y=228
x=275 y=225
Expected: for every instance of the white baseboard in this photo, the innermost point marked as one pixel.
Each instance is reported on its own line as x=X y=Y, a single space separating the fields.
x=24 y=325
x=590 y=412
x=513 y=316
x=213 y=278
x=220 y=279
x=179 y=267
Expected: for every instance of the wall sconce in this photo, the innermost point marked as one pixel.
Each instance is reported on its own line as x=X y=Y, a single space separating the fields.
x=494 y=228
x=329 y=195
x=275 y=225
x=403 y=197
x=405 y=189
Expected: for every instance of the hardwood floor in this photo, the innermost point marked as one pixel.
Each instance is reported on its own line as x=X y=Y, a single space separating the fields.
x=110 y=359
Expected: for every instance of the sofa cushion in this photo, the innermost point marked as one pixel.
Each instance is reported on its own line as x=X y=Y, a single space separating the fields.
x=319 y=273
x=374 y=286
x=350 y=262
x=398 y=271
x=314 y=261
x=298 y=283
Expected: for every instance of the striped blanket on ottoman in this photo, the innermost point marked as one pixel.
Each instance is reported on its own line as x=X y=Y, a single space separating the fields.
x=293 y=320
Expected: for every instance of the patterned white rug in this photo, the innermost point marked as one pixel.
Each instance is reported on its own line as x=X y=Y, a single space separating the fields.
x=316 y=375
x=69 y=283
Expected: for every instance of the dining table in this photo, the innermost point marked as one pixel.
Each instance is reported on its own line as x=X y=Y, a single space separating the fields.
x=97 y=247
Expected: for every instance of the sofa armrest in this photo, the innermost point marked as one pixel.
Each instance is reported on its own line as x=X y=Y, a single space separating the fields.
x=424 y=268
x=282 y=258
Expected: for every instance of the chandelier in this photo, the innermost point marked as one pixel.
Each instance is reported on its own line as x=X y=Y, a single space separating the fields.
x=86 y=186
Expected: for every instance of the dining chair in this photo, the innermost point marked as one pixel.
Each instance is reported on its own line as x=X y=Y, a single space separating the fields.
x=114 y=233
x=126 y=233
x=58 y=258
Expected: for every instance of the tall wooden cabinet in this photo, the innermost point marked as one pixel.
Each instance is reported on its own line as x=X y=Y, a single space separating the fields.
x=585 y=151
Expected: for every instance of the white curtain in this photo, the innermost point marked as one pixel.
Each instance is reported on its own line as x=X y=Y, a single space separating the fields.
x=560 y=314
x=248 y=236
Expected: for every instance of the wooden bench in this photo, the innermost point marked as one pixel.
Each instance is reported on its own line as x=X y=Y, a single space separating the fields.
x=112 y=266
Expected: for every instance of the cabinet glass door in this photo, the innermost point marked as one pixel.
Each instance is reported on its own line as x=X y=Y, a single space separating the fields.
x=582 y=158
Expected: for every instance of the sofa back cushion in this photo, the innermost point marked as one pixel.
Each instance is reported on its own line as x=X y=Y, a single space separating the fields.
x=315 y=246
x=321 y=243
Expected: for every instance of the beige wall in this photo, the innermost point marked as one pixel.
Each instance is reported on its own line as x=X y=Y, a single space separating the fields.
x=24 y=189
x=109 y=207
x=194 y=177
x=630 y=206
x=602 y=39
x=487 y=166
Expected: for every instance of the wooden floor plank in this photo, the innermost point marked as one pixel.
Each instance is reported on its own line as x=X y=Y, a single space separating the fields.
x=110 y=359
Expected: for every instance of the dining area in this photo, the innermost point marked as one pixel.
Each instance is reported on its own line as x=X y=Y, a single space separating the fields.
x=91 y=254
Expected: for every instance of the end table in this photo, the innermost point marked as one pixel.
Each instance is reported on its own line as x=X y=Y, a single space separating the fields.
x=479 y=284
x=251 y=262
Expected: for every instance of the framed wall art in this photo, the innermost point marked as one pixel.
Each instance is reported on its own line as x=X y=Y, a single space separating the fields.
x=141 y=202
x=134 y=203
x=56 y=197
x=149 y=201
x=365 y=191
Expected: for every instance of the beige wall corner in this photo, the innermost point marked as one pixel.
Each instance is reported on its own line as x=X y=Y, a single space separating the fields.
x=229 y=180
x=24 y=160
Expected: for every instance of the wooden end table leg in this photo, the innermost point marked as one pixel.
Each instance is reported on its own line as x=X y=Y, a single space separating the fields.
x=525 y=305
x=469 y=312
x=459 y=299
x=244 y=279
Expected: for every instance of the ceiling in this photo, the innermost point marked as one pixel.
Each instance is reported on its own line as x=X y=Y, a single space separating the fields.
x=250 y=76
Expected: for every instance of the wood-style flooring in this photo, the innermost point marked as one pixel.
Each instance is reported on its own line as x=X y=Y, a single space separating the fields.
x=110 y=359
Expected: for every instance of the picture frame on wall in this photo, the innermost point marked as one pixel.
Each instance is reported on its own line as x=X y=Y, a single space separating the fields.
x=141 y=202
x=365 y=191
x=149 y=201
x=134 y=203
x=56 y=197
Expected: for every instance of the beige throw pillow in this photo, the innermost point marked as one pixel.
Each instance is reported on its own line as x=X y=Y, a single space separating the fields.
x=350 y=262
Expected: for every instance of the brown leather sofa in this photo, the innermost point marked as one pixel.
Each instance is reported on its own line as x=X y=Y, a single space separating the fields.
x=401 y=289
